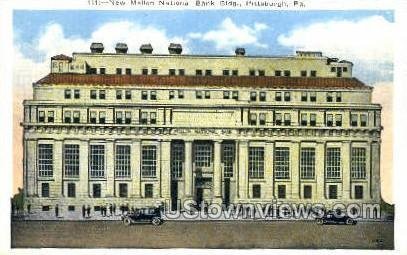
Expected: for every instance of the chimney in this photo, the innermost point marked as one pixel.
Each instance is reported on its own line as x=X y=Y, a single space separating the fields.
x=175 y=48
x=96 y=47
x=240 y=51
x=146 y=48
x=121 y=48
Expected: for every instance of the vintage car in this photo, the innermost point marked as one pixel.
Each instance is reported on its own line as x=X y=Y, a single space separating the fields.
x=152 y=215
x=332 y=218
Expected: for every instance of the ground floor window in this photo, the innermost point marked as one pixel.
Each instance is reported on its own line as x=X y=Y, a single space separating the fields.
x=333 y=192
x=71 y=190
x=45 y=189
x=96 y=190
x=71 y=208
x=148 y=190
x=45 y=208
x=358 y=192
x=123 y=190
x=256 y=162
x=281 y=191
x=307 y=191
x=256 y=191
x=148 y=161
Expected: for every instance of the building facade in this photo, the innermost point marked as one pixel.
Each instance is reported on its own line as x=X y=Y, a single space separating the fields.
x=137 y=129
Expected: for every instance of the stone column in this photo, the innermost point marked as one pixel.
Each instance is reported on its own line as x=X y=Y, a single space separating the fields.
x=166 y=169
x=188 y=170
x=295 y=170
x=58 y=171
x=345 y=156
x=135 y=165
x=217 y=172
x=83 y=188
x=243 y=169
x=375 y=171
x=31 y=167
x=269 y=170
x=109 y=159
x=320 y=170
x=367 y=192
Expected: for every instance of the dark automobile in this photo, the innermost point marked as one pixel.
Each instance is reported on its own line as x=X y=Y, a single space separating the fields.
x=332 y=218
x=152 y=215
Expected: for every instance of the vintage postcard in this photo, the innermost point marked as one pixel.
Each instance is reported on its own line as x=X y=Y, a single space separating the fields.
x=202 y=124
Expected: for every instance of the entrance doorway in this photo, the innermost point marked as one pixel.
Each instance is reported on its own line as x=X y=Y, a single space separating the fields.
x=174 y=195
x=226 y=199
x=199 y=196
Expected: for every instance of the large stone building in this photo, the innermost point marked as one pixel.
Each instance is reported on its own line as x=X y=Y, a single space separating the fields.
x=134 y=129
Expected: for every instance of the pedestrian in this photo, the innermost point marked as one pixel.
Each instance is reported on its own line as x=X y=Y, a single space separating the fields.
x=114 y=209
x=13 y=208
x=111 y=209
x=122 y=209
x=83 y=211
x=29 y=208
x=88 y=211
x=56 y=211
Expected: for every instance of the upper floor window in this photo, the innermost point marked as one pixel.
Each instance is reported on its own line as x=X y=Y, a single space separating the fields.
x=153 y=95
x=198 y=72
x=128 y=71
x=252 y=72
x=148 y=160
x=304 y=96
x=50 y=116
x=207 y=94
x=45 y=160
x=102 y=94
x=304 y=119
x=119 y=117
x=354 y=120
x=198 y=94
x=287 y=96
x=177 y=159
x=144 y=118
x=329 y=120
x=253 y=96
x=153 y=118
x=171 y=94
x=122 y=166
x=278 y=96
x=282 y=163
x=128 y=94
x=76 y=116
x=92 y=117
x=278 y=119
x=333 y=69
x=253 y=119
x=256 y=162
x=262 y=119
x=287 y=119
x=71 y=160
x=119 y=94
x=67 y=116
x=41 y=116
x=181 y=72
x=144 y=71
x=226 y=94
x=329 y=97
x=277 y=73
x=226 y=72
x=262 y=73
x=144 y=95
x=303 y=73
x=154 y=71
x=363 y=120
x=102 y=70
x=307 y=163
x=313 y=120
x=127 y=117
x=333 y=163
x=287 y=73
x=338 y=120
x=313 y=73
x=171 y=72
x=235 y=94
x=92 y=70
x=262 y=96
x=338 y=97
x=235 y=72
x=313 y=96
x=118 y=71
x=93 y=94
x=97 y=161
x=67 y=94
x=102 y=117
x=180 y=94
x=203 y=154
x=76 y=94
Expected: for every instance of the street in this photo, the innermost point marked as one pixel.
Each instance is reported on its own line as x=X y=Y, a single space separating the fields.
x=201 y=234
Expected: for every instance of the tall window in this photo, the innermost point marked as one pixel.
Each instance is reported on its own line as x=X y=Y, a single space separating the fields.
x=122 y=166
x=282 y=163
x=256 y=162
x=96 y=190
x=358 y=163
x=307 y=191
x=333 y=163
x=71 y=160
x=97 y=161
x=148 y=161
x=45 y=160
x=177 y=159
x=123 y=190
x=228 y=159
x=203 y=154
x=281 y=191
x=148 y=190
x=307 y=163
x=256 y=188
x=45 y=189
x=71 y=190
x=332 y=191
x=358 y=192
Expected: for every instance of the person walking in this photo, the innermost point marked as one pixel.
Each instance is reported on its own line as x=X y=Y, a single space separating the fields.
x=88 y=211
x=114 y=209
x=111 y=209
x=56 y=211
x=83 y=211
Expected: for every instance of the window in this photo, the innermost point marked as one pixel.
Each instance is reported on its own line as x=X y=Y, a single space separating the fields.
x=180 y=94
x=144 y=117
x=76 y=94
x=118 y=71
x=262 y=119
x=93 y=117
x=144 y=95
x=253 y=119
x=277 y=73
x=235 y=95
x=102 y=117
x=41 y=116
x=225 y=72
x=228 y=158
x=203 y=154
x=256 y=188
x=67 y=116
x=171 y=72
x=154 y=71
x=71 y=160
x=333 y=69
x=208 y=72
x=71 y=208
x=93 y=94
x=338 y=120
x=45 y=208
x=253 y=96
x=198 y=94
x=50 y=116
x=144 y=71
x=304 y=96
x=235 y=72
x=76 y=116
x=45 y=160
x=329 y=96
x=198 y=72
x=148 y=190
x=153 y=118
x=358 y=192
x=287 y=73
x=153 y=95
x=363 y=120
x=278 y=119
x=304 y=120
x=102 y=94
x=333 y=163
x=119 y=117
x=354 y=120
x=148 y=161
x=262 y=96
x=332 y=192
x=171 y=94
x=181 y=72
x=287 y=119
x=281 y=191
x=119 y=94
x=252 y=72
x=122 y=166
x=102 y=70
x=307 y=163
x=122 y=189
x=262 y=73
x=313 y=73
x=282 y=163
x=338 y=97
x=313 y=96
x=358 y=163
x=278 y=96
x=127 y=94
x=67 y=94
x=256 y=162
x=345 y=69
x=304 y=73
x=97 y=161
x=287 y=96
x=127 y=118
x=207 y=94
x=71 y=190
x=177 y=159
x=96 y=190
x=313 y=120
x=226 y=94
x=45 y=189
x=329 y=120
x=307 y=191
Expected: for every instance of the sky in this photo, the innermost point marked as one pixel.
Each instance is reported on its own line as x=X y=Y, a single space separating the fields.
x=363 y=37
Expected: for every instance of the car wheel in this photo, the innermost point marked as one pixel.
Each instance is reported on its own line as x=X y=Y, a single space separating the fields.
x=156 y=221
x=127 y=222
x=320 y=221
x=349 y=221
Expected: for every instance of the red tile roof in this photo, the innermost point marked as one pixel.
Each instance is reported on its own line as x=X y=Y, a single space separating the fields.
x=214 y=81
x=61 y=57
